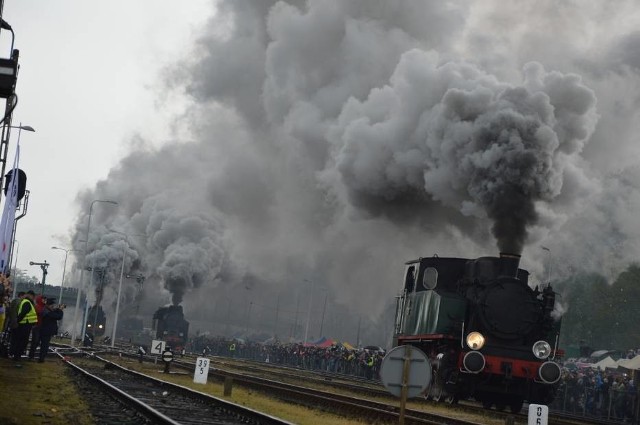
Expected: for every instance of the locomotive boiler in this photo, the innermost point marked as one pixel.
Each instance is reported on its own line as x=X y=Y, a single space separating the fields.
x=489 y=336
x=171 y=326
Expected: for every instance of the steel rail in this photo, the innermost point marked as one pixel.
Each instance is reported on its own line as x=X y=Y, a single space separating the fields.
x=146 y=410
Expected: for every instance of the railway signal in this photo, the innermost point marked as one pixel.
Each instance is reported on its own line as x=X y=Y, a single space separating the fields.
x=167 y=358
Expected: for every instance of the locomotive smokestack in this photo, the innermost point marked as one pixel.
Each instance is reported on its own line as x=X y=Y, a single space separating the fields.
x=510 y=264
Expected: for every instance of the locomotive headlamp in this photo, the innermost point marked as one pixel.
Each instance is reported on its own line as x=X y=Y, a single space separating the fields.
x=88 y=325
x=541 y=349
x=99 y=326
x=475 y=340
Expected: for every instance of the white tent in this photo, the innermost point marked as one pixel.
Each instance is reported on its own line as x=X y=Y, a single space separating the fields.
x=605 y=363
x=633 y=364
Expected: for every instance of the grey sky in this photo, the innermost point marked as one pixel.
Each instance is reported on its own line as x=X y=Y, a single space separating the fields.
x=87 y=72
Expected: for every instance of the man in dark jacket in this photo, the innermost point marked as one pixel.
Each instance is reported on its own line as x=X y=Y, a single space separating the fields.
x=49 y=326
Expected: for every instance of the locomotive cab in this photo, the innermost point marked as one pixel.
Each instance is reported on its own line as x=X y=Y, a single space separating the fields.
x=430 y=303
x=487 y=333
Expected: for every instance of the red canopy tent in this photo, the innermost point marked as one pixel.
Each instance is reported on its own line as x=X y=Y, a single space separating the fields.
x=326 y=343
x=321 y=343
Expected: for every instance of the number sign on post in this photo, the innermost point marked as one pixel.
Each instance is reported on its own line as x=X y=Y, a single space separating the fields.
x=202 y=370
x=538 y=414
x=157 y=346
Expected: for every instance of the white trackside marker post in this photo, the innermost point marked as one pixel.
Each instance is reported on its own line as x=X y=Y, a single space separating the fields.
x=202 y=370
x=157 y=346
x=538 y=414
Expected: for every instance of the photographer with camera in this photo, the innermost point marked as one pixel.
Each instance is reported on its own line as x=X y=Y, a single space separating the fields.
x=50 y=316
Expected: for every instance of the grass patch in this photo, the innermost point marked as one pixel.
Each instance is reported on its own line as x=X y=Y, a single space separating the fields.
x=40 y=393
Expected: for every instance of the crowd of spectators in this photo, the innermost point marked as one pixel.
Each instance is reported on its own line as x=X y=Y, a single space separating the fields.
x=26 y=320
x=609 y=393
x=5 y=297
x=337 y=358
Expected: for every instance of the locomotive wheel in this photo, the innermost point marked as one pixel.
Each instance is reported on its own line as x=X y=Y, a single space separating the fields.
x=487 y=403
x=516 y=405
x=437 y=395
x=451 y=399
x=500 y=406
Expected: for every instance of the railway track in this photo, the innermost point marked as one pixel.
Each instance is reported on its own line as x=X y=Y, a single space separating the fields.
x=328 y=401
x=371 y=411
x=252 y=375
x=247 y=372
x=374 y=388
x=139 y=399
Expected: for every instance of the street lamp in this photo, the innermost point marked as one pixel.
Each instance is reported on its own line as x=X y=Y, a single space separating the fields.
x=306 y=328
x=23 y=127
x=64 y=268
x=86 y=250
x=124 y=254
x=324 y=309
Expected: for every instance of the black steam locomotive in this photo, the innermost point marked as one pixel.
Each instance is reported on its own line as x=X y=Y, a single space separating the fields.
x=171 y=326
x=96 y=321
x=488 y=335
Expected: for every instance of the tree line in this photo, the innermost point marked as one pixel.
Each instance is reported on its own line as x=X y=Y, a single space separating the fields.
x=599 y=314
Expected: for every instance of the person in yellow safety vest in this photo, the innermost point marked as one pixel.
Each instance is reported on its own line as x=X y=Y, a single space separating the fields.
x=369 y=371
x=27 y=317
x=232 y=349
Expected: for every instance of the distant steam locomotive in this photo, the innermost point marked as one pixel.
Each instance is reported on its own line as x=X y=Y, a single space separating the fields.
x=96 y=321
x=171 y=326
x=488 y=335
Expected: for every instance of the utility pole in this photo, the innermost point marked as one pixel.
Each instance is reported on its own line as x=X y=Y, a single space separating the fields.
x=358 y=334
x=140 y=278
x=275 y=326
x=246 y=331
x=294 y=330
x=324 y=308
